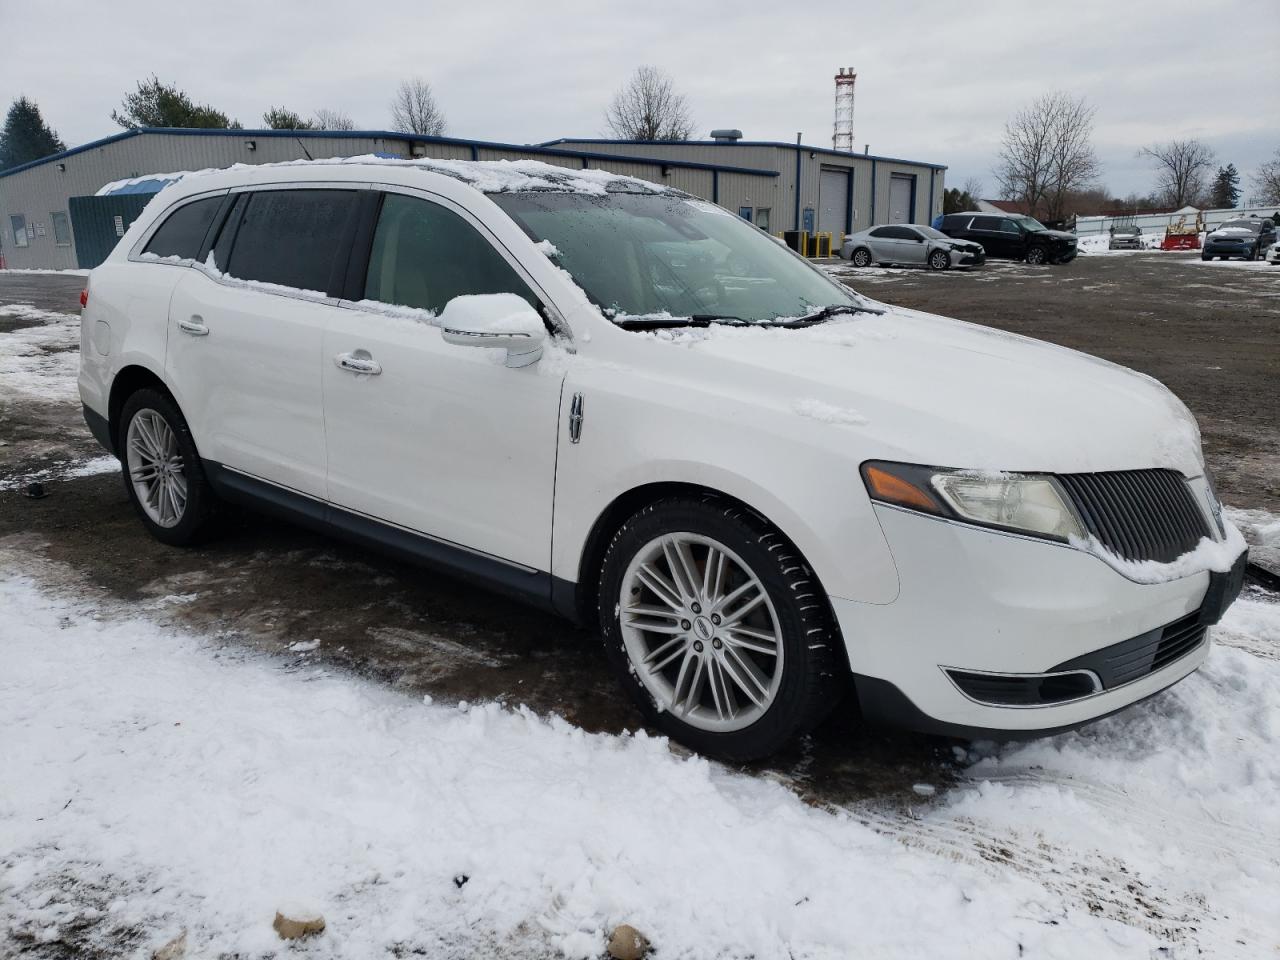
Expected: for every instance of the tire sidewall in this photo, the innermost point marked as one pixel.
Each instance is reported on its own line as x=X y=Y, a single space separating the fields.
x=939 y=260
x=724 y=523
x=1037 y=256
x=199 y=497
x=861 y=257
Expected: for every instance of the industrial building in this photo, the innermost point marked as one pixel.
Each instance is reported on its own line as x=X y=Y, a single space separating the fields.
x=50 y=217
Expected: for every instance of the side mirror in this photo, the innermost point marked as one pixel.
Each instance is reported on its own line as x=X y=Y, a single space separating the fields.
x=501 y=320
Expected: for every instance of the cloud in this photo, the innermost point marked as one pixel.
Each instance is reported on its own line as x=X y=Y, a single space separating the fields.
x=935 y=81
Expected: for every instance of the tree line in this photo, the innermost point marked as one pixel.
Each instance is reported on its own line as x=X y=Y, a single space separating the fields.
x=1047 y=164
x=646 y=107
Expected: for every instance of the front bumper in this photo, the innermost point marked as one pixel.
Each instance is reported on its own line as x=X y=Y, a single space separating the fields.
x=1227 y=249
x=986 y=602
x=967 y=258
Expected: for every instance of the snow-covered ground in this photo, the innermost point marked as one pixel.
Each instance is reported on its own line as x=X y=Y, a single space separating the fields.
x=153 y=780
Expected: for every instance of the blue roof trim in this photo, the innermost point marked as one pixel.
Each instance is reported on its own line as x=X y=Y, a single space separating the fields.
x=70 y=153
x=474 y=145
x=746 y=143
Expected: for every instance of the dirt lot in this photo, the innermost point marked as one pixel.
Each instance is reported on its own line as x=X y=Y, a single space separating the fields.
x=1212 y=332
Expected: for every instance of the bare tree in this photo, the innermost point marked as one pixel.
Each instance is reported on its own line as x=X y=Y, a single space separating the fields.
x=973 y=187
x=1267 y=181
x=1182 y=168
x=649 y=108
x=327 y=118
x=1047 y=154
x=414 y=109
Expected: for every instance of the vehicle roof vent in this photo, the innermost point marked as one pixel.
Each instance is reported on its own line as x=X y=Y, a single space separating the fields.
x=726 y=136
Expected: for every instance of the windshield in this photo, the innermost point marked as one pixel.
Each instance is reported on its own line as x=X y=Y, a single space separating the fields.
x=645 y=254
x=1030 y=223
x=931 y=233
x=1254 y=226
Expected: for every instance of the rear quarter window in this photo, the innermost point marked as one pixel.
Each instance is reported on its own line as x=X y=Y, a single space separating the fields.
x=182 y=232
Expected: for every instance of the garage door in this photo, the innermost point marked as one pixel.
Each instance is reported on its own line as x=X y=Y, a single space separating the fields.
x=833 y=202
x=901 y=193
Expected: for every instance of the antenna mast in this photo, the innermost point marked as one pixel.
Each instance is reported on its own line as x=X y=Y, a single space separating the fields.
x=842 y=139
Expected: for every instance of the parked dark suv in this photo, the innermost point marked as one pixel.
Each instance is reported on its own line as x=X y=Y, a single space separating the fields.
x=1245 y=238
x=1011 y=236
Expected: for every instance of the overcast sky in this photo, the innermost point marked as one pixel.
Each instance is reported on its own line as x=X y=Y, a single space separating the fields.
x=936 y=80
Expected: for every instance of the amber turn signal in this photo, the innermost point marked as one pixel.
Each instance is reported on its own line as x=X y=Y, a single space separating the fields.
x=885 y=486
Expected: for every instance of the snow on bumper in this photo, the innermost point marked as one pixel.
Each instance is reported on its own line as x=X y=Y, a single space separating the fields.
x=980 y=600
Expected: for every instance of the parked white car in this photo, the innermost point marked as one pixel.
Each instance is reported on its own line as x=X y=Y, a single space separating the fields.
x=1273 y=254
x=630 y=406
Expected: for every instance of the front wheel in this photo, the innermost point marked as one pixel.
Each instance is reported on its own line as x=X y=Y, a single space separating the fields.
x=717 y=628
x=1036 y=256
x=939 y=260
x=162 y=471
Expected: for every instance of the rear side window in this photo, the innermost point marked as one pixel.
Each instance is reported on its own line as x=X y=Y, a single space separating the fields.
x=294 y=238
x=987 y=223
x=954 y=222
x=183 y=231
x=424 y=255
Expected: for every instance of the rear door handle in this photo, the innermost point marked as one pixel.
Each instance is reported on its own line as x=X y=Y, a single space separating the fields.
x=358 y=362
x=195 y=326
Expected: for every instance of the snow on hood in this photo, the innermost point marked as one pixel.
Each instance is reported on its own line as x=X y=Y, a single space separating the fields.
x=1231 y=231
x=956 y=394
x=487 y=176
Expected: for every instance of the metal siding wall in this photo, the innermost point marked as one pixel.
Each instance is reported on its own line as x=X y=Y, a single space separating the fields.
x=743 y=190
x=884 y=175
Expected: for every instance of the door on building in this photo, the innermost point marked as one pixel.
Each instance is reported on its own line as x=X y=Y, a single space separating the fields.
x=833 y=202
x=902 y=195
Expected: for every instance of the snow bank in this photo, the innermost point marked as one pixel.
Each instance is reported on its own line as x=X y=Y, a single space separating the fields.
x=151 y=779
x=41 y=361
x=1100 y=243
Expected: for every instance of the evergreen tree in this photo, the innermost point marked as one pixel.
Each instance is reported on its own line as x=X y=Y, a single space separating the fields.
x=25 y=136
x=278 y=118
x=955 y=200
x=159 y=104
x=1225 y=191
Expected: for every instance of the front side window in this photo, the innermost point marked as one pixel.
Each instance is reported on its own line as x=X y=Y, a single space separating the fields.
x=643 y=254
x=1031 y=224
x=1008 y=226
x=183 y=230
x=424 y=255
x=293 y=238
x=61 y=228
x=19 y=225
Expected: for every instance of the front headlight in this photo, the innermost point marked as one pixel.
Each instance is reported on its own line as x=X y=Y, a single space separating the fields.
x=1025 y=502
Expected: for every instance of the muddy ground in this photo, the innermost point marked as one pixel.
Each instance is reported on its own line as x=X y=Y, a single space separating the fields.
x=1212 y=334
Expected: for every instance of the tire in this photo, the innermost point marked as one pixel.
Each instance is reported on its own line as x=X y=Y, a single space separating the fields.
x=939 y=260
x=695 y=691
x=861 y=257
x=1037 y=256
x=151 y=421
x=1205 y=256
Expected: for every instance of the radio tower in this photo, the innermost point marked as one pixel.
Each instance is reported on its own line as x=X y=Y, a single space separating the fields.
x=842 y=139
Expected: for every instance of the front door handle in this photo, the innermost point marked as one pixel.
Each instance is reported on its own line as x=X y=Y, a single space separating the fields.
x=195 y=326
x=358 y=362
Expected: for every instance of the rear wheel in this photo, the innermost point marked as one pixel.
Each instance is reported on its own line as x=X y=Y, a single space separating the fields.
x=717 y=628
x=861 y=257
x=162 y=471
x=939 y=260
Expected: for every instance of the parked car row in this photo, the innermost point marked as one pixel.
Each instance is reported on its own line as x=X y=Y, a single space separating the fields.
x=960 y=240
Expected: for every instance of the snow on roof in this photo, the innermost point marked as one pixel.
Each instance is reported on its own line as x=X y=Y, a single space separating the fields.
x=487 y=176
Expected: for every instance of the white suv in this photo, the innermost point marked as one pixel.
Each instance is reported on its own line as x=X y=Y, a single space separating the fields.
x=632 y=407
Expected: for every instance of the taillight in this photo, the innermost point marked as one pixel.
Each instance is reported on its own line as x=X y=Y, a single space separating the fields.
x=84 y=298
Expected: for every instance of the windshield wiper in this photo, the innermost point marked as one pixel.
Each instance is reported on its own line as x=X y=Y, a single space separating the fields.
x=660 y=323
x=826 y=313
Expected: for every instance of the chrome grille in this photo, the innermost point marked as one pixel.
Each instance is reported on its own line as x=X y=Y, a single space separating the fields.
x=1138 y=514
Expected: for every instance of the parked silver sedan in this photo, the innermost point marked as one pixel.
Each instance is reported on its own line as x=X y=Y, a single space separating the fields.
x=910 y=243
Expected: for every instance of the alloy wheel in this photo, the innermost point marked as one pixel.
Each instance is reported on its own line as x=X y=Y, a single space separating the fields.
x=701 y=632
x=156 y=468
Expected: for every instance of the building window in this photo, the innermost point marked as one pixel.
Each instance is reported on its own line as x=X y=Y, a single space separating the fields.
x=745 y=213
x=19 y=225
x=762 y=218
x=61 y=229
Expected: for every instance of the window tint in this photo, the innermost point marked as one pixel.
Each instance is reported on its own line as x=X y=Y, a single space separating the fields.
x=61 y=228
x=1008 y=226
x=183 y=231
x=987 y=223
x=425 y=255
x=295 y=238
